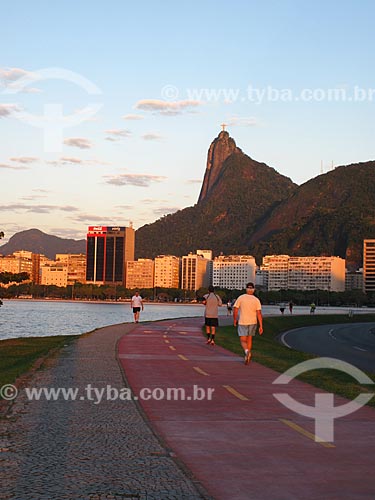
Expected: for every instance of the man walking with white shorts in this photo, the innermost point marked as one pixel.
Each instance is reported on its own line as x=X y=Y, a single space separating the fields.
x=249 y=309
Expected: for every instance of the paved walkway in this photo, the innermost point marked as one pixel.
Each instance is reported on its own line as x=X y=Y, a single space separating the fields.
x=82 y=450
x=243 y=444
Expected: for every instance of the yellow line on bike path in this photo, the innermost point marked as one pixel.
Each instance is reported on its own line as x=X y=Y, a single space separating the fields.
x=305 y=433
x=199 y=370
x=235 y=393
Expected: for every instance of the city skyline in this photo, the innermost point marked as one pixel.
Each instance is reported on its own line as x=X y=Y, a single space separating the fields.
x=148 y=88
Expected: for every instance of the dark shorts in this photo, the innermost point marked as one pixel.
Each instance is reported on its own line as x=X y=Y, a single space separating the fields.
x=211 y=321
x=136 y=309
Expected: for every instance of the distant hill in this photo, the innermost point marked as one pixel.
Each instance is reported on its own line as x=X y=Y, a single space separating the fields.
x=36 y=241
x=247 y=207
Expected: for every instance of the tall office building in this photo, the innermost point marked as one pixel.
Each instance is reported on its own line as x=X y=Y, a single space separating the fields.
x=368 y=266
x=194 y=272
x=108 y=250
x=167 y=271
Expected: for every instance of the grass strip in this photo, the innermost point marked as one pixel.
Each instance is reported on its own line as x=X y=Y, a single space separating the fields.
x=269 y=352
x=17 y=356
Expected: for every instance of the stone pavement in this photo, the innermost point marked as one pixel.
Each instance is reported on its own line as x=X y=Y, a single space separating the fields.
x=82 y=450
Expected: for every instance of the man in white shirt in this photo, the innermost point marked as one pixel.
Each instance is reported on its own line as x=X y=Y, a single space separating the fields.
x=250 y=310
x=136 y=303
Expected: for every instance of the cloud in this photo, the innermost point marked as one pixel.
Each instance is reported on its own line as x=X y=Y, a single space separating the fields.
x=193 y=181
x=39 y=209
x=13 y=74
x=78 y=142
x=94 y=219
x=72 y=160
x=13 y=167
x=151 y=137
x=33 y=197
x=24 y=159
x=237 y=121
x=125 y=207
x=133 y=117
x=152 y=200
x=117 y=134
x=68 y=160
x=140 y=180
x=12 y=77
x=8 y=110
x=168 y=108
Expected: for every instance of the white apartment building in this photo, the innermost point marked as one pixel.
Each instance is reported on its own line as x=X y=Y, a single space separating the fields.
x=304 y=273
x=369 y=266
x=194 y=272
x=167 y=271
x=140 y=273
x=233 y=271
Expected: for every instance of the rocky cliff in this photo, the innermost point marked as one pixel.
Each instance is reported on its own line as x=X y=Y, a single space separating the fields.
x=221 y=147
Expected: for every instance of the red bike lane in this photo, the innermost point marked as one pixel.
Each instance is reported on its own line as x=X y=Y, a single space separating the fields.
x=241 y=443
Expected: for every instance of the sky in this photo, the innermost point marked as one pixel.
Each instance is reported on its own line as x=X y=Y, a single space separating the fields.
x=107 y=109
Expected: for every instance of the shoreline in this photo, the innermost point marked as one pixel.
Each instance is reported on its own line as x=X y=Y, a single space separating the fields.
x=86 y=301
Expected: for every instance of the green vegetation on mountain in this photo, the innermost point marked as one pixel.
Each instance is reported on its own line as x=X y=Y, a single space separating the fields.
x=250 y=208
x=243 y=193
x=329 y=215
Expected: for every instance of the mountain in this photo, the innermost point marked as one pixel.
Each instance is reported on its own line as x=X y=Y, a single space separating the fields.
x=247 y=207
x=221 y=147
x=329 y=215
x=237 y=191
x=36 y=241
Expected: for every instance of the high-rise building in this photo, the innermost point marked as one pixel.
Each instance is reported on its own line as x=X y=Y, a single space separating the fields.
x=76 y=264
x=369 y=266
x=167 y=271
x=108 y=250
x=140 y=273
x=233 y=271
x=275 y=271
x=194 y=272
x=304 y=273
x=354 y=280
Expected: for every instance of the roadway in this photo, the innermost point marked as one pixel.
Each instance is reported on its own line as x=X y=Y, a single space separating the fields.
x=353 y=343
